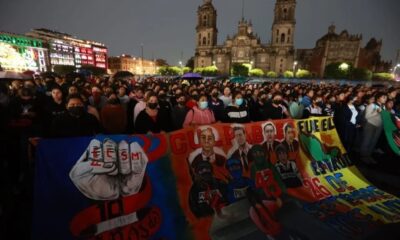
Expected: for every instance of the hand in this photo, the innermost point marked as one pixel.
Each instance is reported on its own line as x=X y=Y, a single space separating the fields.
x=105 y=171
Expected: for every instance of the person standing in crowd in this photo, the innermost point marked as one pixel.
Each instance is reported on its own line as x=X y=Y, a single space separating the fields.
x=151 y=119
x=55 y=106
x=372 y=128
x=123 y=97
x=237 y=111
x=200 y=114
x=350 y=122
x=113 y=116
x=217 y=105
x=140 y=105
x=258 y=113
x=179 y=112
x=75 y=122
x=314 y=110
x=275 y=108
x=307 y=99
x=226 y=97
x=97 y=100
x=194 y=98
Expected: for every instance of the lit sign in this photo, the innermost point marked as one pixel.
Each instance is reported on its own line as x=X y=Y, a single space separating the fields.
x=12 y=58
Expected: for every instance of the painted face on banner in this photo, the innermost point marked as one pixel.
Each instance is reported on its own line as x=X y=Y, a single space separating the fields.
x=290 y=134
x=240 y=137
x=269 y=132
x=207 y=139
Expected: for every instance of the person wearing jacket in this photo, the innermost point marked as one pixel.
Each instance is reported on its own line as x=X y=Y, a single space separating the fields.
x=237 y=111
x=372 y=128
x=199 y=114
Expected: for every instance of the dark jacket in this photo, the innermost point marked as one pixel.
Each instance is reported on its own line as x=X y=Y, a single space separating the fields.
x=178 y=115
x=144 y=123
x=66 y=125
x=218 y=109
x=237 y=114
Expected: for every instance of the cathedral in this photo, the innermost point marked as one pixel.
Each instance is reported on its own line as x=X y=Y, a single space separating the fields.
x=245 y=46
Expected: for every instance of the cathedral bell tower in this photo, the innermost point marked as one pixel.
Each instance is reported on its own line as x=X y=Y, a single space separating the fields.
x=206 y=34
x=283 y=30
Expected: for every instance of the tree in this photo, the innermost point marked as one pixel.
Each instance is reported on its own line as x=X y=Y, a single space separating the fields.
x=161 y=62
x=207 y=71
x=63 y=69
x=169 y=71
x=302 y=73
x=186 y=70
x=190 y=63
x=240 y=70
x=338 y=70
x=288 y=74
x=256 y=72
x=272 y=74
x=361 y=74
x=383 y=76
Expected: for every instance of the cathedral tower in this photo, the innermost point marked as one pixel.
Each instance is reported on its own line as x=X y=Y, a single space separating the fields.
x=206 y=33
x=283 y=34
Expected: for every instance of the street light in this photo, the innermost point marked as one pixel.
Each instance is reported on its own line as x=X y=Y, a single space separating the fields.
x=294 y=68
x=344 y=66
x=213 y=63
x=180 y=64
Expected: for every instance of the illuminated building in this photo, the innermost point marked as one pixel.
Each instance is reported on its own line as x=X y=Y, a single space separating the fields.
x=71 y=51
x=131 y=64
x=20 y=53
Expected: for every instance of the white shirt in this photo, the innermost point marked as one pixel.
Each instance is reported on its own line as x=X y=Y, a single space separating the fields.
x=354 y=114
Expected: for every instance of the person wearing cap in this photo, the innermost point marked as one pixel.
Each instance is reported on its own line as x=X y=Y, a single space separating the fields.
x=238 y=184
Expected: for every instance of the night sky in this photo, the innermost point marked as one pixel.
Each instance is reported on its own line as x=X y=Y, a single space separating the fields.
x=167 y=27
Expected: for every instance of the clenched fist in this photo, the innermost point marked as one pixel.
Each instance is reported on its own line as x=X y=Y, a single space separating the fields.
x=108 y=170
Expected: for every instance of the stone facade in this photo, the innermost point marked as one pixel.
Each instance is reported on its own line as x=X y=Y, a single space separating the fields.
x=132 y=64
x=245 y=46
x=342 y=47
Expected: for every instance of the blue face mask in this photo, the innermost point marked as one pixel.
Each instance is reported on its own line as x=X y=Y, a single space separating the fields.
x=239 y=101
x=300 y=99
x=203 y=105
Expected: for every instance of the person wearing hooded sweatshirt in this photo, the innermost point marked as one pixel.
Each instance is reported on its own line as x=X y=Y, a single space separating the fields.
x=200 y=114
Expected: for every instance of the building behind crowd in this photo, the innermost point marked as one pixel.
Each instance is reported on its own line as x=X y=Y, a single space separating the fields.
x=339 y=48
x=132 y=64
x=21 y=53
x=67 y=50
x=246 y=46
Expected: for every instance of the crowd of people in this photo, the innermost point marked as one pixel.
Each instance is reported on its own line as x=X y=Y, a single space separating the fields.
x=54 y=106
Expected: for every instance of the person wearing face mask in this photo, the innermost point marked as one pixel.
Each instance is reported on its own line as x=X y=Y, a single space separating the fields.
x=258 y=114
x=200 y=114
x=193 y=100
x=237 y=111
x=75 y=122
x=275 y=109
x=179 y=111
x=152 y=119
x=216 y=105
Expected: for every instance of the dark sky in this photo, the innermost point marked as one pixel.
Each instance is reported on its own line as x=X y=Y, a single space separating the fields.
x=167 y=27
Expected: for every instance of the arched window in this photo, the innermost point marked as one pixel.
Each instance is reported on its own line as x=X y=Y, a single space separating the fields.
x=288 y=31
x=285 y=14
x=199 y=39
x=204 y=40
x=283 y=38
x=277 y=32
x=205 y=20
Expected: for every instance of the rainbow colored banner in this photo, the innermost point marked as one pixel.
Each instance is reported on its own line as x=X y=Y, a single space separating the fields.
x=269 y=180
